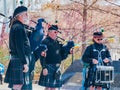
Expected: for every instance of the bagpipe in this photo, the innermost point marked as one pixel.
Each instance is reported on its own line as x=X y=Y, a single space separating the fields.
x=36 y=39
x=37 y=35
x=66 y=47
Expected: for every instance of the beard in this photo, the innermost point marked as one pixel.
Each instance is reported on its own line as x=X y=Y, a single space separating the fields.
x=26 y=21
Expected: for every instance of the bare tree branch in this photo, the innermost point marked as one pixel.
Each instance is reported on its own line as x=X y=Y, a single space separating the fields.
x=92 y=4
x=77 y=2
x=99 y=8
x=112 y=3
x=70 y=9
x=96 y=8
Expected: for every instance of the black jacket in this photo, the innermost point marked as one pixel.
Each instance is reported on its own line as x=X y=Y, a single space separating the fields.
x=91 y=52
x=18 y=42
x=54 y=51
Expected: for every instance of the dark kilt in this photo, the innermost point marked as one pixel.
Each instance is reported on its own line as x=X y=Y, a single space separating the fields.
x=49 y=80
x=14 y=73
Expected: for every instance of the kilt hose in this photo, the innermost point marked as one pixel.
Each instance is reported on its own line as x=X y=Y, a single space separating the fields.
x=14 y=73
x=50 y=80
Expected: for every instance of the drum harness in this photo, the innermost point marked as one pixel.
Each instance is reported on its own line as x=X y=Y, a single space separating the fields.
x=100 y=61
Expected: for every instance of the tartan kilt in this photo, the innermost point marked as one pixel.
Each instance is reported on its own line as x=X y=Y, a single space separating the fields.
x=14 y=73
x=50 y=80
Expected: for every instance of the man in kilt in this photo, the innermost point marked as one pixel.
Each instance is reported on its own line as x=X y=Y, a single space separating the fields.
x=95 y=54
x=19 y=50
x=51 y=59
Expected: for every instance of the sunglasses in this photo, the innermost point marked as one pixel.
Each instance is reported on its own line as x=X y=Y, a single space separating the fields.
x=55 y=32
x=99 y=39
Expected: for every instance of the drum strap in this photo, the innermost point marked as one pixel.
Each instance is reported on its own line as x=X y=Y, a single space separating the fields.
x=99 y=53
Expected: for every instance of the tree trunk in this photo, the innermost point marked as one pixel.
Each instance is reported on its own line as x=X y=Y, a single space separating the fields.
x=84 y=25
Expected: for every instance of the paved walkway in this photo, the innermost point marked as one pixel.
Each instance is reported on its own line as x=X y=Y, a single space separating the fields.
x=37 y=87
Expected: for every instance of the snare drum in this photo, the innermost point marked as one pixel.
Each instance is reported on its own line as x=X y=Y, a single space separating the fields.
x=104 y=74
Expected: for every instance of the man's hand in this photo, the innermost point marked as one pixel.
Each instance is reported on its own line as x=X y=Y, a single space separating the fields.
x=94 y=61
x=106 y=60
x=43 y=54
x=71 y=51
x=45 y=71
x=25 y=68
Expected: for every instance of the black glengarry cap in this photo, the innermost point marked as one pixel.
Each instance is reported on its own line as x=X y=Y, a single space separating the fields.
x=19 y=10
x=53 y=27
x=97 y=34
